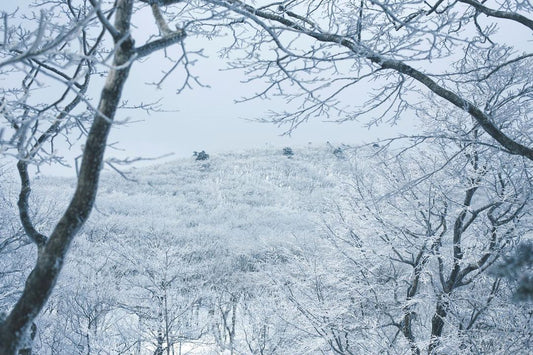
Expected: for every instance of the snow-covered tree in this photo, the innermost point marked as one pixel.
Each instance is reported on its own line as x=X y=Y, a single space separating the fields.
x=317 y=53
x=416 y=239
x=39 y=42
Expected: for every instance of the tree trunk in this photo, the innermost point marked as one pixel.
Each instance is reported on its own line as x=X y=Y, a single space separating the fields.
x=42 y=279
x=437 y=323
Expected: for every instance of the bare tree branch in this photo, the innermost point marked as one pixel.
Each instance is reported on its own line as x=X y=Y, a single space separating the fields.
x=514 y=16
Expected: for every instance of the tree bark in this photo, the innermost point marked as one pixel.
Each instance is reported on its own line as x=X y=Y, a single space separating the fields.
x=437 y=323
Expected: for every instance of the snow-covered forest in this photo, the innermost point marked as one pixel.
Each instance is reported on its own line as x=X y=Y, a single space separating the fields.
x=416 y=243
x=263 y=253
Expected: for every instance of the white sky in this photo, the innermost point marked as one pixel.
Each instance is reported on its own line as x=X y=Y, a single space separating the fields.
x=206 y=118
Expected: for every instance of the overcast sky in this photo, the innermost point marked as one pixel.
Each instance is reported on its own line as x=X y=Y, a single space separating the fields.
x=207 y=118
x=204 y=118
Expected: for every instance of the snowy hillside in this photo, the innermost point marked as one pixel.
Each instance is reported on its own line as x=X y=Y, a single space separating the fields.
x=247 y=200
x=321 y=251
x=216 y=231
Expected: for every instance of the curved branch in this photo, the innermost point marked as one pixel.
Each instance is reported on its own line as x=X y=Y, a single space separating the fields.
x=484 y=120
x=23 y=207
x=22 y=165
x=512 y=146
x=500 y=14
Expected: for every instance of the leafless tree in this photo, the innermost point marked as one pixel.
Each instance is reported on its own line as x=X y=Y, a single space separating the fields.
x=52 y=249
x=430 y=226
x=410 y=49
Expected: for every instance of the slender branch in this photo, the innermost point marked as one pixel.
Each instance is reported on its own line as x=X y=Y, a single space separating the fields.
x=157 y=44
x=104 y=20
x=29 y=53
x=160 y=20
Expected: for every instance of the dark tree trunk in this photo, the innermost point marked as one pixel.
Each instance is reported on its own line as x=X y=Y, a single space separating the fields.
x=44 y=275
x=437 y=324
